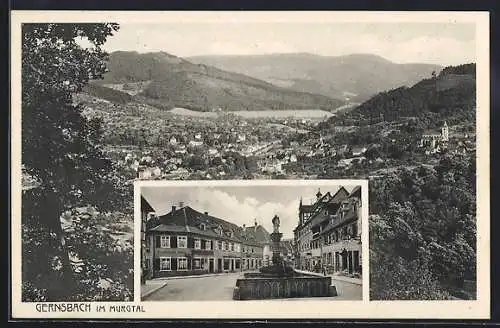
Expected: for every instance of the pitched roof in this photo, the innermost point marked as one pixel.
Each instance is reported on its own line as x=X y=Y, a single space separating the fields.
x=257 y=233
x=356 y=192
x=341 y=194
x=332 y=203
x=306 y=208
x=145 y=206
x=191 y=220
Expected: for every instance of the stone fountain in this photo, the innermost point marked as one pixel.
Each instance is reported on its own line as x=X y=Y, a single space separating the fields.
x=280 y=280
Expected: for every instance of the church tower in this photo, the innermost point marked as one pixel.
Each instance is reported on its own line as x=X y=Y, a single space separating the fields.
x=319 y=194
x=444 y=132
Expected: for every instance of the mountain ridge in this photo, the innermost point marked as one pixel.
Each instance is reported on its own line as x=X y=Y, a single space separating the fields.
x=174 y=81
x=355 y=76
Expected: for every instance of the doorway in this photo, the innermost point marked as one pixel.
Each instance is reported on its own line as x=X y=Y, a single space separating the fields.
x=356 y=261
x=349 y=259
x=211 y=265
x=219 y=265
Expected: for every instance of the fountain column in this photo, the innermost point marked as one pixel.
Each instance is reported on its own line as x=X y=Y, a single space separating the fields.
x=276 y=243
x=276 y=239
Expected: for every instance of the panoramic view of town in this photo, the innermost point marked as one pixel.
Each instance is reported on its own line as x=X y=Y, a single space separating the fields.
x=180 y=106
x=218 y=258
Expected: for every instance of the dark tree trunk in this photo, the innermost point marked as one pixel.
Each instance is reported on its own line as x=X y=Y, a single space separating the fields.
x=63 y=288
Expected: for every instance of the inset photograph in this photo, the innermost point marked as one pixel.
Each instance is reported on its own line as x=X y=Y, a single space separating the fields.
x=247 y=241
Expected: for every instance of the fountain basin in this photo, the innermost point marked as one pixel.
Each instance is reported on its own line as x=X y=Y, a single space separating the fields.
x=258 y=286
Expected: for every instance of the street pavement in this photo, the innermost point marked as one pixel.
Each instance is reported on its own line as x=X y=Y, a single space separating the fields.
x=347 y=291
x=220 y=288
x=213 y=288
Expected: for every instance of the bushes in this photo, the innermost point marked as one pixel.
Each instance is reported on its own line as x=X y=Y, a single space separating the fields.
x=423 y=240
x=393 y=278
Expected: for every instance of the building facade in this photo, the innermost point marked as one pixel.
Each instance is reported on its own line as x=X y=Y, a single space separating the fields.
x=187 y=242
x=146 y=209
x=328 y=235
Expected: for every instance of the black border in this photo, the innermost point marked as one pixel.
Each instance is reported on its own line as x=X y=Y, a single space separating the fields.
x=385 y=5
x=492 y=6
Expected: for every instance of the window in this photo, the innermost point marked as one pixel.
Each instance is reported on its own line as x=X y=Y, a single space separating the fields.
x=225 y=245
x=165 y=241
x=197 y=244
x=237 y=247
x=219 y=245
x=197 y=263
x=354 y=230
x=165 y=264
x=203 y=227
x=182 y=241
x=182 y=263
x=232 y=247
x=208 y=244
x=243 y=249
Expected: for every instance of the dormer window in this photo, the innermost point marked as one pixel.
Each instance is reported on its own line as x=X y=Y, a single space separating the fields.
x=203 y=227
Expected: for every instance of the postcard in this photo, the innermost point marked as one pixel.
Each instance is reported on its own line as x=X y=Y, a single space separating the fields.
x=250 y=165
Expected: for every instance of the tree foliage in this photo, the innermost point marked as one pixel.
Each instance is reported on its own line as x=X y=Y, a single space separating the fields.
x=450 y=96
x=61 y=150
x=423 y=231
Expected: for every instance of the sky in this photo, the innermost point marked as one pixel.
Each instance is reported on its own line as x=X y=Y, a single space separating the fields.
x=240 y=205
x=433 y=43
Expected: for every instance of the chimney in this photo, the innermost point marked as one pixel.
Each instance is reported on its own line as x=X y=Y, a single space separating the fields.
x=206 y=213
x=244 y=226
x=181 y=204
x=173 y=208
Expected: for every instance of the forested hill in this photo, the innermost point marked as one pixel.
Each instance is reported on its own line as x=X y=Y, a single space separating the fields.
x=168 y=81
x=356 y=77
x=449 y=95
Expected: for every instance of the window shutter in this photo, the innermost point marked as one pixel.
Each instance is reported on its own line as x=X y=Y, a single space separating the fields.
x=173 y=242
x=158 y=242
x=156 y=264
x=190 y=242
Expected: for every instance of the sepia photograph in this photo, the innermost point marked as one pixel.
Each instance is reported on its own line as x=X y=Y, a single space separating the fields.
x=208 y=156
x=251 y=242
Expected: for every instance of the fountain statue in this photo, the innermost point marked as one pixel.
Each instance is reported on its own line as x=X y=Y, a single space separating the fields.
x=276 y=224
x=280 y=280
x=278 y=268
